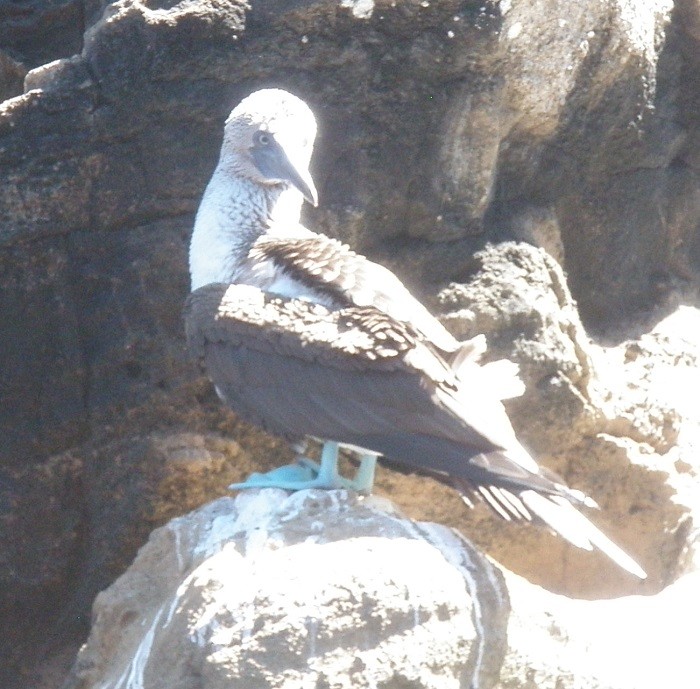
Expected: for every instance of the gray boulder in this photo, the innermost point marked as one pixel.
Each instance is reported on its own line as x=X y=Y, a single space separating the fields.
x=317 y=588
x=322 y=589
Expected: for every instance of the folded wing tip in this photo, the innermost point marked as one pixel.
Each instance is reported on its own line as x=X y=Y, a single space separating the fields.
x=563 y=518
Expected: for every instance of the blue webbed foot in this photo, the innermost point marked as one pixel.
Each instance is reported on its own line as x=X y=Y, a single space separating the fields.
x=289 y=477
x=308 y=474
x=364 y=476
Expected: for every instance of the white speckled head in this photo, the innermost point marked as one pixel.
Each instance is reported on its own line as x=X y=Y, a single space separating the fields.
x=258 y=186
x=269 y=138
x=274 y=108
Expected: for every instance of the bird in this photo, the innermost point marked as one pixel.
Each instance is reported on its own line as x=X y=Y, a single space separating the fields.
x=306 y=338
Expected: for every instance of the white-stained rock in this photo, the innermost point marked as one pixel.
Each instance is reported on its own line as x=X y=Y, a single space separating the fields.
x=313 y=589
x=633 y=642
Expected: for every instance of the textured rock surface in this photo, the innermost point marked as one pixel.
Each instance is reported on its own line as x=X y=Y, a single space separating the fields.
x=323 y=589
x=444 y=125
x=627 y=643
x=314 y=589
x=577 y=418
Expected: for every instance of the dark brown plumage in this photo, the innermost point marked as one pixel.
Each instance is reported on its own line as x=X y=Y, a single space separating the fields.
x=305 y=337
x=320 y=263
x=359 y=377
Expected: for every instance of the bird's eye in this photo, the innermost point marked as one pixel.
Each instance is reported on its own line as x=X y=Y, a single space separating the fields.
x=262 y=138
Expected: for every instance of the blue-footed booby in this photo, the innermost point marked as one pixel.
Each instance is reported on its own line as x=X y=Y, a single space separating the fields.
x=306 y=338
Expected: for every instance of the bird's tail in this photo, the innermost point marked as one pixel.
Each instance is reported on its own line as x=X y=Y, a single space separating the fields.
x=504 y=376
x=557 y=511
x=509 y=480
x=561 y=516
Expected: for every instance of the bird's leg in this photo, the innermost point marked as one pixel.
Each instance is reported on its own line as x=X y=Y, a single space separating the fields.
x=309 y=474
x=364 y=476
x=328 y=471
x=304 y=474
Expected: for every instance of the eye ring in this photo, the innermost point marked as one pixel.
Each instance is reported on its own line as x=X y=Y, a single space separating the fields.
x=262 y=138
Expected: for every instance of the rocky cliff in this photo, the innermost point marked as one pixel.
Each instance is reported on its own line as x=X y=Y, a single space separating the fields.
x=499 y=156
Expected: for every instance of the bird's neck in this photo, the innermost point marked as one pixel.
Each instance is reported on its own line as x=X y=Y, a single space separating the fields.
x=233 y=214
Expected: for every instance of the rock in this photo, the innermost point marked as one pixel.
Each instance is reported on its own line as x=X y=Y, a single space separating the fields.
x=579 y=417
x=597 y=95
x=37 y=32
x=518 y=297
x=319 y=588
x=322 y=588
x=444 y=126
x=635 y=642
x=480 y=149
x=12 y=75
x=83 y=514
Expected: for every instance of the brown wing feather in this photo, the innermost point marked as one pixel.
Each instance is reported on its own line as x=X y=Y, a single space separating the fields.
x=331 y=266
x=350 y=338
x=353 y=375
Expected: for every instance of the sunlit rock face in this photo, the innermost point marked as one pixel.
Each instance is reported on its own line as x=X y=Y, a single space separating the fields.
x=273 y=590
x=444 y=125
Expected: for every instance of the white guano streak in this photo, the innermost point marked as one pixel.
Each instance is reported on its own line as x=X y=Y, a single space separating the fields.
x=133 y=675
x=455 y=557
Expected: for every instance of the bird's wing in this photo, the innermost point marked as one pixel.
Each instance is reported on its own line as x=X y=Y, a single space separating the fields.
x=328 y=266
x=341 y=374
x=352 y=338
x=355 y=375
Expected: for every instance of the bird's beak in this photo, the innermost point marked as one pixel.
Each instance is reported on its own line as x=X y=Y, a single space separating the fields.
x=277 y=162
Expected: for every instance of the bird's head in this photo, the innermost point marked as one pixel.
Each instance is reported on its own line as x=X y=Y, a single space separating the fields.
x=269 y=137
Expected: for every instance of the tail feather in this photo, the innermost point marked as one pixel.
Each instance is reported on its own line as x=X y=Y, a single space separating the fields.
x=492 y=499
x=516 y=489
x=516 y=503
x=562 y=517
x=509 y=481
x=469 y=350
x=557 y=517
x=554 y=511
x=501 y=378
